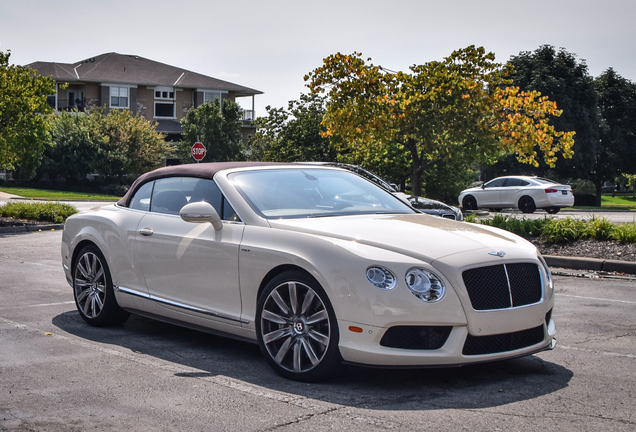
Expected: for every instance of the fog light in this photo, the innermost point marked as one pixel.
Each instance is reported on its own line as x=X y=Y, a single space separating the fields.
x=425 y=285
x=381 y=277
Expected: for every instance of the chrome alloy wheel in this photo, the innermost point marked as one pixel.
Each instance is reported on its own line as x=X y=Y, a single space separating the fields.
x=295 y=327
x=90 y=285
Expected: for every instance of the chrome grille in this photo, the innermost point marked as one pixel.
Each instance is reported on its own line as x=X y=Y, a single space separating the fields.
x=503 y=286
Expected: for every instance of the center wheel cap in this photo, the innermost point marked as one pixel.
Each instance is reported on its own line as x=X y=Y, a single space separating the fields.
x=299 y=327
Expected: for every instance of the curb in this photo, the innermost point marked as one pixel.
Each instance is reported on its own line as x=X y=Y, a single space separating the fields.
x=595 y=264
x=31 y=228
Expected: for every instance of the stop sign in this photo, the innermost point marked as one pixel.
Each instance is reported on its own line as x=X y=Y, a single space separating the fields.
x=198 y=151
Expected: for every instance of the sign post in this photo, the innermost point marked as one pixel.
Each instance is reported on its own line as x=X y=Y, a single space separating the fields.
x=198 y=151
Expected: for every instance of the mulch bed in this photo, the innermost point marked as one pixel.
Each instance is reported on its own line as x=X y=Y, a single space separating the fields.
x=608 y=250
x=11 y=222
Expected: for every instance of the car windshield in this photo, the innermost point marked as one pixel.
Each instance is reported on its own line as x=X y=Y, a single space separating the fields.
x=307 y=192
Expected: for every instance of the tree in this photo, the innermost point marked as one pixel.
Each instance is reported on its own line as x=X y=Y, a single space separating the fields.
x=218 y=126
x=292 y=135
x=455 y=111
x=23 y=127
x=113 y=145
x=599 y=110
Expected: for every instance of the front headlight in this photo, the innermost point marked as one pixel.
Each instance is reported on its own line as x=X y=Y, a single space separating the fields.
x=381 y=277
x=545 y=274
x=425 y=285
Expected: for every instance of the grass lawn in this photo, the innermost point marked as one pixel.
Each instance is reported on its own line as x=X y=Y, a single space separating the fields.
x=626 y=200
x=57 y=195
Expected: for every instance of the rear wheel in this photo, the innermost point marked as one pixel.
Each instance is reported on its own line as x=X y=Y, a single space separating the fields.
x=553 y=210
x=527 y=205
x=469 y=203
x=297 y=329
x=93 y=290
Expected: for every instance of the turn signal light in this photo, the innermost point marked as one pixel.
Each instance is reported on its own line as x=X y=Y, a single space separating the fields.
x=355 y=329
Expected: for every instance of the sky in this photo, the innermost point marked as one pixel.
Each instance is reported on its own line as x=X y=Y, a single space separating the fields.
x=270 y=45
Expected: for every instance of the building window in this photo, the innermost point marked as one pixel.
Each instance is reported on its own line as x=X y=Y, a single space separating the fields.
x=209 y=96
x=164 y=94
x=119 y=97
x=164 y=109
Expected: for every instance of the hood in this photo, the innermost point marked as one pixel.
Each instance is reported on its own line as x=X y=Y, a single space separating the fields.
x=420 y=236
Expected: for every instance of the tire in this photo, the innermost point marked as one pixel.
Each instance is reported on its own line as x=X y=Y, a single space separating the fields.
x=297 y=329
x=494 y=210
x=93 y=290
x=552 y=210
x=527 y=205
x=469 y=203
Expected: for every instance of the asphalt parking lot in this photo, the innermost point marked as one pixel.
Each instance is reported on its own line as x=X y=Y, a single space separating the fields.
x=58 y=374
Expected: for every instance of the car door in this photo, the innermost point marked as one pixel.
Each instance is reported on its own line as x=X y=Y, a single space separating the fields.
x=512 y=190
x=490 y=193
x=191 y=267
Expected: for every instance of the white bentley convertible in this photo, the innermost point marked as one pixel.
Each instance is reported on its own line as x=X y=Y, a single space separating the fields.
x=316 y=264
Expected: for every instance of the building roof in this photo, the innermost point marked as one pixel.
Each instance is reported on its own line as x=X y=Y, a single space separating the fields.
x=131 y=69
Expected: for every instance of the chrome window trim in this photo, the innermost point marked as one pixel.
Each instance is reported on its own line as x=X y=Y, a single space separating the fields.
x=177 y=304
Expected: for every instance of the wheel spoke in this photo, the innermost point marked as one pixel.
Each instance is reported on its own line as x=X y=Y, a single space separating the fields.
x=297 y=353
x=87 y=305
x=82 y=282
x=101 y=288
x=293 y=297
x=280 y=302
x=94 y=266
x=319 y=337
x=100 y=304
x=309 y=297
x=284 y=349
x=313 y=358
x=83 y=271
x=271 y=316
x=317 y=317
x=276 y=334
x=99 y=274
x=81 y=297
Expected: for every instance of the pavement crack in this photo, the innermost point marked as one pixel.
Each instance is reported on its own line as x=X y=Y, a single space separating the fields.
x=302 y=419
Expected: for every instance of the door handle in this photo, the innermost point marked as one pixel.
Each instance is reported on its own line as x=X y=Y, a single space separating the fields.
x=146 y=232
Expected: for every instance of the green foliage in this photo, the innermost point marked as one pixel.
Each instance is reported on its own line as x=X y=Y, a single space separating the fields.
x=218 y=127
x=625 y=233
x=56 y=195
x=456 y=112
x=601 y=111
x=292 y=135
x=522 y=227
x=561 y=230
x=112 y=145
x=40 y=211
x=23 y=128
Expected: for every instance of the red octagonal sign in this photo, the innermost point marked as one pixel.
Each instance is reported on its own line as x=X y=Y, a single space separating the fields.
x=198 y=151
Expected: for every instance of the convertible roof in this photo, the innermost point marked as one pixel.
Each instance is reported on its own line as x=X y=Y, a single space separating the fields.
x=202 y=170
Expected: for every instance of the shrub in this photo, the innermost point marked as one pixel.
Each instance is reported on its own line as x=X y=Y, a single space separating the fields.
x=40 y=211
x=600 y=228
x=624 y=233
x=522 y=227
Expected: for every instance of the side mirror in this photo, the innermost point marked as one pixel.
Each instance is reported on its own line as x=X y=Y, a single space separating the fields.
x=199 y=212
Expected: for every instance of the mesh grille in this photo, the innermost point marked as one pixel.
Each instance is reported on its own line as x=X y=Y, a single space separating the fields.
x=476 y=345
x=488 y=287
x=416 y=337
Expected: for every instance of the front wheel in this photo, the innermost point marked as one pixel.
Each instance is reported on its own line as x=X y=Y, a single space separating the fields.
x=93 y=290
x=469 y=203
x=297 y=329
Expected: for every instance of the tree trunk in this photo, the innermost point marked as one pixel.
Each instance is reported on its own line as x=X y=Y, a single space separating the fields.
x=416 y=176
x=598 y=184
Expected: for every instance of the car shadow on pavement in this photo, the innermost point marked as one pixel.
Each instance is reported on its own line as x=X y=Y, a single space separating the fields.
x=476 y=386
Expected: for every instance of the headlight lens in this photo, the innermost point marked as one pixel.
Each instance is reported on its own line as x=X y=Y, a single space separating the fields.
x=425 y=285
x=547 y=276
x=381 y=277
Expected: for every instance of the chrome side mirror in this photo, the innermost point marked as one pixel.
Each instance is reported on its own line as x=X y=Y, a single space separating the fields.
x=199 y=212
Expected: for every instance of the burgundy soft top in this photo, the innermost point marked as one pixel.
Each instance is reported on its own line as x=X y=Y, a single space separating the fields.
x=202 y=170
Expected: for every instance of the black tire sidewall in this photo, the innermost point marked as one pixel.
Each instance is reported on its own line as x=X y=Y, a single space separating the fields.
x=331 y=363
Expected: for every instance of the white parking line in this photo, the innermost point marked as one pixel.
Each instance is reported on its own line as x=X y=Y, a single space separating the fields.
x=38 y=305
x=598 y=299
